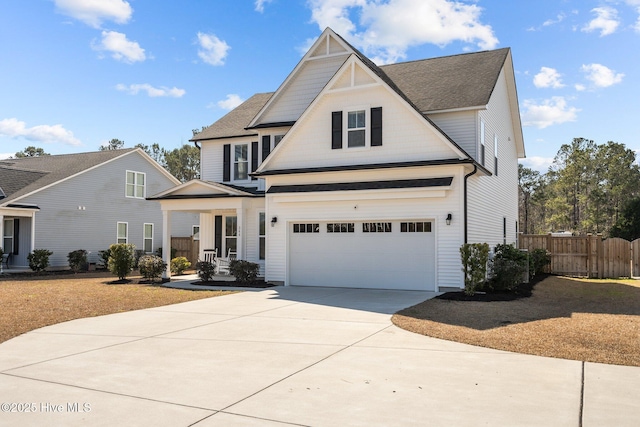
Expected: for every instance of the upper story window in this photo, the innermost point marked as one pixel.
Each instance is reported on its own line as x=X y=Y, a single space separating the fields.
x=135 y=186
x=482 y=146
x=495 y=154
x=241 y=162
x=356 y=128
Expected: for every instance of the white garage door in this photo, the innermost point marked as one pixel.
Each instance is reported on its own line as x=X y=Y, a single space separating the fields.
x=372 y=254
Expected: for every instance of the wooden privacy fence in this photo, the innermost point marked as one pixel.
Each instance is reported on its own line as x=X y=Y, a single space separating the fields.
x=587 y=256
x=186 y=247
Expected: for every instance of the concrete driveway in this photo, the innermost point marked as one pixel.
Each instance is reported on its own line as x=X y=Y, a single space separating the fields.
x=293 y=356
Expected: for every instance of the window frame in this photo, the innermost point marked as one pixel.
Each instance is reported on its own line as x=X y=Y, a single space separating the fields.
x=135 y=185
x=126 y=232
x=482 y=142
x=495 y=154
x=145 y=238
x=195 y=234
x=235 y=162
x=10 y=236
x=366 y=109
x=226 y=237
x=262 y=236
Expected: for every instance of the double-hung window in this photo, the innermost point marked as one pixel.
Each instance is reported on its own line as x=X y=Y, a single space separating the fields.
x=231 y=234
x=356 y=128
x=8 y=238
x=135 y=184
x=241 y=162
x=482 y=147
x=122 y=231
x=147 y=243
x=262 y=235
x=495 y=154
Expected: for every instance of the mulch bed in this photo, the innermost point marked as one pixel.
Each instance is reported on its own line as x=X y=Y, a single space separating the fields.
x=524 y=290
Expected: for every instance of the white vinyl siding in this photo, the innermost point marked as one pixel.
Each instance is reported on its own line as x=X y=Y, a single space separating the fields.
x=461 y=127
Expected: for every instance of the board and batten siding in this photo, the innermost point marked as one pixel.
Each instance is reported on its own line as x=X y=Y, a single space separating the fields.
x=406 y=136
x=370 y=205
x=302 y=89
x=83 y=212
x=492 y=198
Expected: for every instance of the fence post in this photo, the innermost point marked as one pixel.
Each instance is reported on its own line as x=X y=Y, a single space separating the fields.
x=550 y=251
x=589 y=264
x=600 y=255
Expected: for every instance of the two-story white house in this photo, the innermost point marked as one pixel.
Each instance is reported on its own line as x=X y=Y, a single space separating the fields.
x=357 y=175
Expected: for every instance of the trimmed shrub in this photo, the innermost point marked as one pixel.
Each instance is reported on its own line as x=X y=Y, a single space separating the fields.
x=538 y=260
x=509 y=266
x=121 y=259
x=151 y=267
x=78 y=260
x=104 y=257
x=244 y=271
x=474 y=265
x=39 y=259
x=206 y=270
x=179 y=265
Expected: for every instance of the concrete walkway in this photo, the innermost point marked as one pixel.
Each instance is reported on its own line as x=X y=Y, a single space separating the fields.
x=293 y=356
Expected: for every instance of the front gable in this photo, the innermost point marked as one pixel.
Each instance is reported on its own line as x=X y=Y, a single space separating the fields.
x=392 y=130
x=199 y=188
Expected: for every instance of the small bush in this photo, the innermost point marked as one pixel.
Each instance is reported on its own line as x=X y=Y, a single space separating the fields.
x=78 y=260
x=121 y=259
x=39 y=259
x=244 y=271
x=206 y=270
x=151 y=267
x=179 y=265
x=509 y=266
x=474 y=265
x=174 y=251
x=104 y=257
x=538 y=260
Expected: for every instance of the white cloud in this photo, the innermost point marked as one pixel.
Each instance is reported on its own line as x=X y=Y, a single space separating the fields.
x=601 y=76
x=231 y=102
x=552 y=111
x=94 y=12
x=580 y=87
x=606 y=21
x=541 y=164
x=387 y=28
x=5 y=155
x=14 y=128
x=260 y=5
x=559 y=18
x=212 y=50
x=548 y=77
x=121 y=49
x=152 y=92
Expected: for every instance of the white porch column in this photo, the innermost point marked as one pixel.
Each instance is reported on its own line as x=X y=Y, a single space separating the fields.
x=33 y=231
x=240 y=237
x=166 y=243
x=2 y=231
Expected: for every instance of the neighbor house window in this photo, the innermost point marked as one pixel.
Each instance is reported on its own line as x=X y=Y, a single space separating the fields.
x=356 y=128
x=8 y=238
x=231 y=234
x=135 y=184
x=147 y=243
x=262 y=235
x=195 y=232
x=122 y=236
x=241 y=162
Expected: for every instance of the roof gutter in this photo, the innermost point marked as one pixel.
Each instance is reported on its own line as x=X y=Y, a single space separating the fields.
x=466 y=203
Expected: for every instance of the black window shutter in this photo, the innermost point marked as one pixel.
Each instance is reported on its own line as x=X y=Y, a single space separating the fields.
x=376 y=126
x=336 y=130
x=16 y=236
x=254 y=158
x=226 y=163
x=266 y=146
x=217 y=235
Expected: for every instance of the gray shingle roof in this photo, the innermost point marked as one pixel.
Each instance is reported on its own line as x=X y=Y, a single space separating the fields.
x=234 y=123
x=450 y=82
x=25 y=175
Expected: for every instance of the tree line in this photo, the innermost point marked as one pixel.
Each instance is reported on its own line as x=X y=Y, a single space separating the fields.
x=589 y=188
x=183 y=162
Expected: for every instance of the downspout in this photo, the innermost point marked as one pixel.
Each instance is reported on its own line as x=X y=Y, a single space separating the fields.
x=466 y=225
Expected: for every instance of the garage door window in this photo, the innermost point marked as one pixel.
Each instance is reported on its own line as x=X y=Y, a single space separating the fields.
x=376 y=227
x=415 y=227
x=343 y=227
x=306 y=228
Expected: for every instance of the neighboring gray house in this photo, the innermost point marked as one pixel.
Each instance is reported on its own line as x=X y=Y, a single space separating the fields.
x=83 y=201
x=354 y=175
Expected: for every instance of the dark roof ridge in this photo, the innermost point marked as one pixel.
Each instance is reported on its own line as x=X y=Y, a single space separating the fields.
x=446 y=56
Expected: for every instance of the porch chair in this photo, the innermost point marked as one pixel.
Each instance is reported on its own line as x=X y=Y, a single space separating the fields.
x=5 y=261
x=210 y=255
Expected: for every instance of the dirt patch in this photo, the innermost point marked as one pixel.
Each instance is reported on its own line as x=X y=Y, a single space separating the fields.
x=31 y=302
x=590 y=320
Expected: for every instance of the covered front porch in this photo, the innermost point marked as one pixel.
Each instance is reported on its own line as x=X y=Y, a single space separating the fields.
x=18 y=231
x=232 y=219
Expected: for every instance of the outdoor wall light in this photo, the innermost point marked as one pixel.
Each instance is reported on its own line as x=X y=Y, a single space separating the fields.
x=449 y=219
x=274 y=220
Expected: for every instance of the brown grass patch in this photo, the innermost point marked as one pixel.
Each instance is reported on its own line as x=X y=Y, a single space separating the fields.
x=28 y=303
x=589 y=320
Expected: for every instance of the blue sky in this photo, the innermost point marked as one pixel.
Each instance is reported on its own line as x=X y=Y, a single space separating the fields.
x=76 y=73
